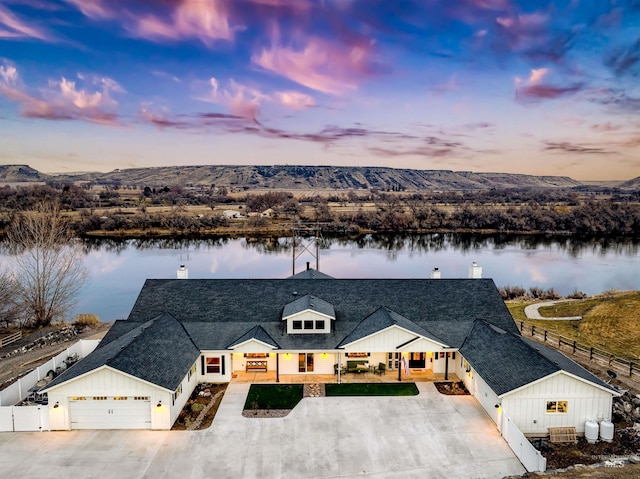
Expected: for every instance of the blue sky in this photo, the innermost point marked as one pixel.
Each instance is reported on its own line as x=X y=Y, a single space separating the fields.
x=538 y=87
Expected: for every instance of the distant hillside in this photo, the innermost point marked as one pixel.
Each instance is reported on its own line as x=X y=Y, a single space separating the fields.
x=306 y=177
x=633 y=184
x=20 y=174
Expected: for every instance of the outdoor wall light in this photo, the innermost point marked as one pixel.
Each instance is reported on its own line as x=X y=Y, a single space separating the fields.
x=56 y=405
x=497 y=406
x=159 y=404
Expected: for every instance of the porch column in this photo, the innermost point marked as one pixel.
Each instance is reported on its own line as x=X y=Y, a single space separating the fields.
x=339 y=365
x=277 y=367
x=446 y=366
x=399 y=367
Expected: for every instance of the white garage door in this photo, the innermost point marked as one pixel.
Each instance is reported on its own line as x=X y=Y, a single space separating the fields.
x=110 y=412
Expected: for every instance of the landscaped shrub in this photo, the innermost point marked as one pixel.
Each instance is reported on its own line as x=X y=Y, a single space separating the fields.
x=86 y=320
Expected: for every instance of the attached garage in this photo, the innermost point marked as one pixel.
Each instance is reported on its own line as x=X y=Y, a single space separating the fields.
x=115 y=412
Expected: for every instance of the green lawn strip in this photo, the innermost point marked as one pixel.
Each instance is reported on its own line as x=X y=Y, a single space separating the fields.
x=371 y=389
x=273 y=396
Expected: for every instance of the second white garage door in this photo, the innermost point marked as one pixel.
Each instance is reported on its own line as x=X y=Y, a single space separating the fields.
x=110 y=412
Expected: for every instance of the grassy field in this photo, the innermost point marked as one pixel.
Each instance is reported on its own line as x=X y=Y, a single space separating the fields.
x=610 y=321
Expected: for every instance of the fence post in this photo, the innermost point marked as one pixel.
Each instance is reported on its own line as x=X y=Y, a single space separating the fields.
x=591 y=354
x=521 y=326
x=533 y=330
x=574 y=347
x=559 y=341
x=545 y=335
x=630 y=368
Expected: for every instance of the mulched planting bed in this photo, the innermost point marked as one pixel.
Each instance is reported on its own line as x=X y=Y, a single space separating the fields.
x=452 y=388
x=200 y=399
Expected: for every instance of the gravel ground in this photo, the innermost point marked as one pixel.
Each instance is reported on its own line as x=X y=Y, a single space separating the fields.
x=13 y=367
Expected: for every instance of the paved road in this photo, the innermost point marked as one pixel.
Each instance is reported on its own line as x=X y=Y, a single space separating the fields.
x=429 y=435
x=532 y=312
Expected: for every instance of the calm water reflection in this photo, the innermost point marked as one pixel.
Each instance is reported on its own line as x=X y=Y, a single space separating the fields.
x=118 y=268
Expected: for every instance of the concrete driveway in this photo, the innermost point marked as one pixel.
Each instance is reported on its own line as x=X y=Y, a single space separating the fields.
x=429 y=435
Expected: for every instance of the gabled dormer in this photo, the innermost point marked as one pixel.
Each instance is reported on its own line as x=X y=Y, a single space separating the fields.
x=308 y=314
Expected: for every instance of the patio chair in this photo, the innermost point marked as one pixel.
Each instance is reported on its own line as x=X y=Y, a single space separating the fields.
x=381 y=369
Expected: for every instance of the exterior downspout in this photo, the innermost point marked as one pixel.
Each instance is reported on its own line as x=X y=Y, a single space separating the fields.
x=277 y=368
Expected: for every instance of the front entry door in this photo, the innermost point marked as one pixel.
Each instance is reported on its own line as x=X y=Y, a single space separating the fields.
x=417 y=360
x=305 y=362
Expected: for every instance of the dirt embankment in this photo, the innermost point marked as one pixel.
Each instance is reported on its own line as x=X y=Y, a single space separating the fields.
x=21 y=357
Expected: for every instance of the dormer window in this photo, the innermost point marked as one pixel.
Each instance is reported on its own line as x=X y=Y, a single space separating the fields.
x=308 y=315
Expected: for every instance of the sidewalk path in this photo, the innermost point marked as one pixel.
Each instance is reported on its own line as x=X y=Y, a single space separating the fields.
x=532 y=312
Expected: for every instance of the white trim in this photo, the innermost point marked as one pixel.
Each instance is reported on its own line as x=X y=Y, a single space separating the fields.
x=549 y=376
x=106 y=366
x=310 y=310
x=233 y=347
x=380 y=331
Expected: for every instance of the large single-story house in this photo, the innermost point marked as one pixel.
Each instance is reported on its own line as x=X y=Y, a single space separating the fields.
x=185 y=331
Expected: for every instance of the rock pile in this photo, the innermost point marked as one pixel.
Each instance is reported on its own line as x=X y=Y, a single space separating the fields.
x=49 y=339
x=626 y=408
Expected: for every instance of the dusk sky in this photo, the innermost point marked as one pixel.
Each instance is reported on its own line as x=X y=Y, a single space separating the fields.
x=528 y=86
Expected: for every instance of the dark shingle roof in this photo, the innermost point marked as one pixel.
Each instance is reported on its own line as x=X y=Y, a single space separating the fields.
x=383 y=318
x=309 y=302
x=506 y=361
x=310 y=274
x=257 y=333
x=158 y=351
x=218 y=311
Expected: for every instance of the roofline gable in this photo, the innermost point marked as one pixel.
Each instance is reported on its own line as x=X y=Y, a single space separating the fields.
x=417 y=336
x=270 y=346
x=557 y=373
x=100 y=368
x=307 y=310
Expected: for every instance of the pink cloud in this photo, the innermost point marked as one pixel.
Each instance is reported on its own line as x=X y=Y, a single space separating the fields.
x=16 y=28
x=295 y=100
x=92 y=8
x=206 y=20
x=62 y=100
x=319 y=65
x=534 y=89
x=242 y=101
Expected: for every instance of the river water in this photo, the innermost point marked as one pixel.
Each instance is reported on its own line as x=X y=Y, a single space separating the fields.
x=118 y=269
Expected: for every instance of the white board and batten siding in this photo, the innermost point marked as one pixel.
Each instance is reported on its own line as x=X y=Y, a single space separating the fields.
x=225 y=368
x=322 y=363
x=389 y=340
x=527 y=407
x=90 y=402
x=308 y=315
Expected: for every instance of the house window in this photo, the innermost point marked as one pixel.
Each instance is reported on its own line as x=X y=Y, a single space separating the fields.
x=393 y=360
x=320 y=324
x=557 y=407
x=176 y=394
x=213 y=365
x=256 y=355
x=99 y=398
x=78 y=398
x=120 y=398
x=308 y=324
x=141 y=398
x=192 y=371
x=297 y=324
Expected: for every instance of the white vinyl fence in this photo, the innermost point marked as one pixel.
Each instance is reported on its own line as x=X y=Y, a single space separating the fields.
x=529 y=456
x=35 y=418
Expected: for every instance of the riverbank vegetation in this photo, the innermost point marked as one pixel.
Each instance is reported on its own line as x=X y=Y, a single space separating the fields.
x=201 y=212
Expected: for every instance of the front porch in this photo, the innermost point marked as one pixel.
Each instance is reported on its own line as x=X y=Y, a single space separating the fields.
x=369 y=377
